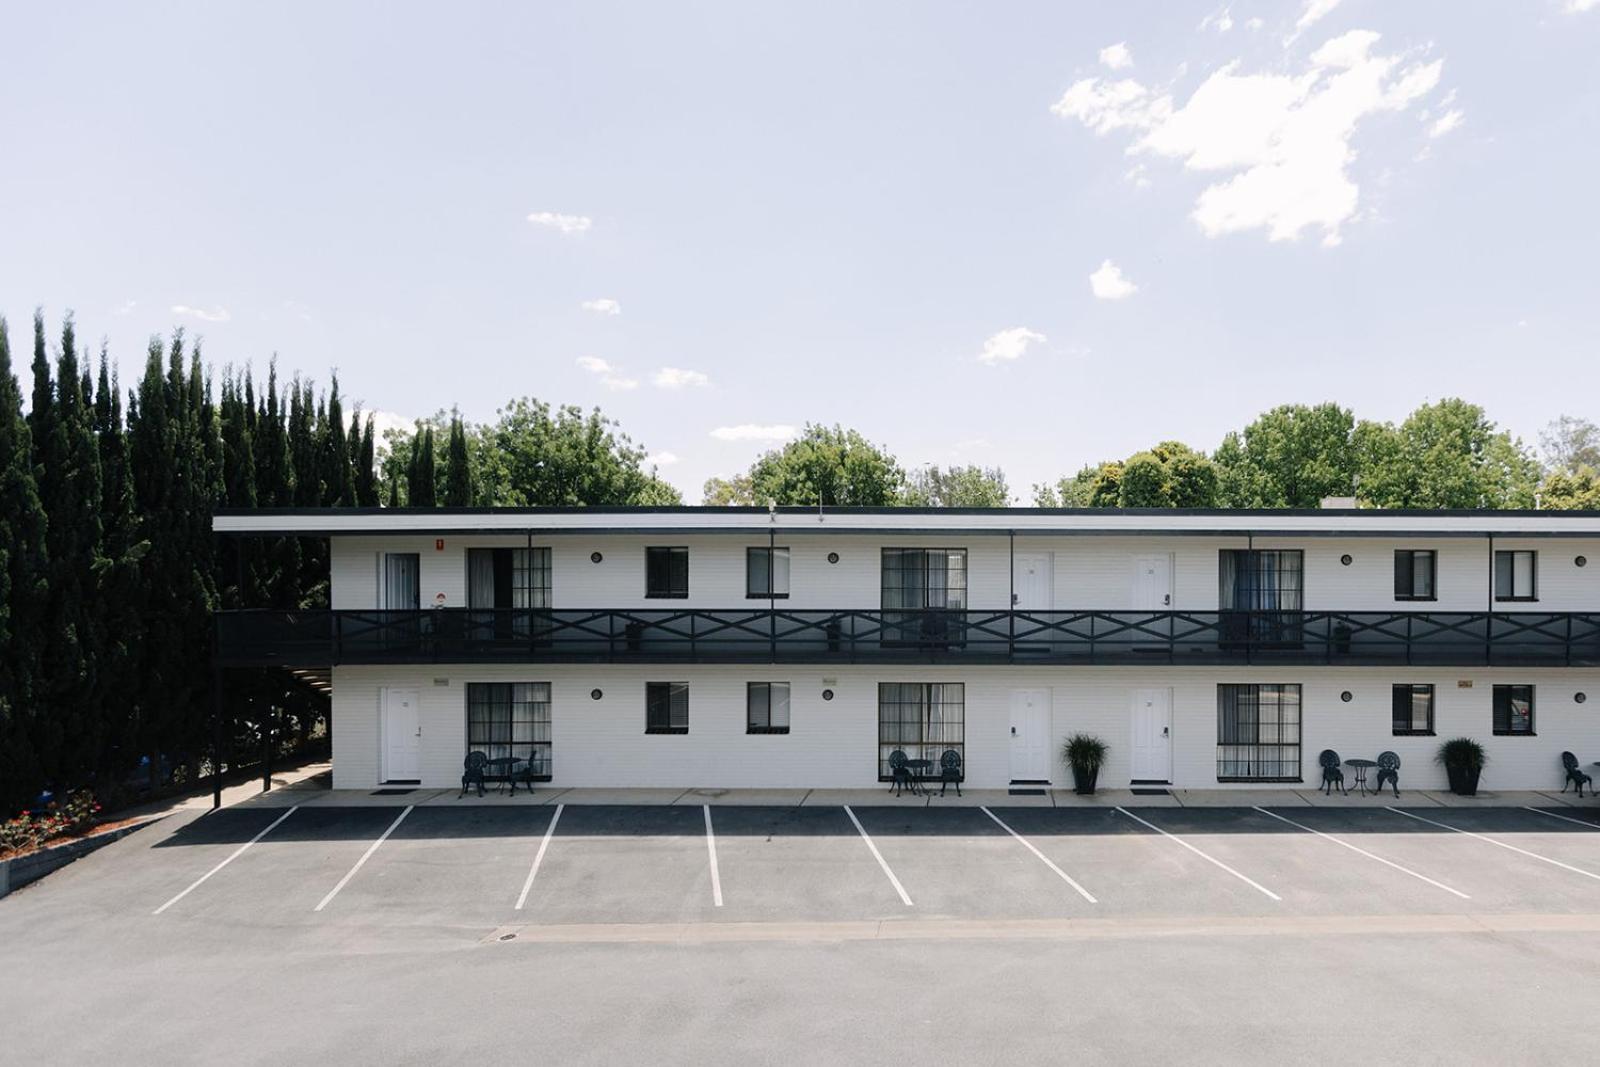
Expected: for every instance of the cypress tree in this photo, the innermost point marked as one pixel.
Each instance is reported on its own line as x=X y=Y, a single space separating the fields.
x=458 y=471
x=24 y=593
x=367 y=468
x=118 y=599
x=420 y=484
x=338 y=482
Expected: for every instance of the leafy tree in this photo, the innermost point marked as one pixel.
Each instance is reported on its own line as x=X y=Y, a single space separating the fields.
x=724 y=492
x=1170 y=475
x=458 y=467
x=1571 y=490
x=534 y=455
x=1569 y=443
x=24 y=594
x=957 y=487
x=1290 y=457
x=1093 y=486
x=1444 y=455
x=831 y=466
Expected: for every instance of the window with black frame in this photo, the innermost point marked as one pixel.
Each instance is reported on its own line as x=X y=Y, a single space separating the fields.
x=766 y=573
x=1513 y=710
x=1258 y=733
x=506 y=589
x=1516 y=575
x=767 y=708
x=1261 y=594
x=666 y=573
x=924 y=595
x=922 y=719
x=666 y=707
x=1413 y=711
x=511 y=720
x=1415 y=574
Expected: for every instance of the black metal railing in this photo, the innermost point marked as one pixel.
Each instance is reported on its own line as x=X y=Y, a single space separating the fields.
x=458 y=635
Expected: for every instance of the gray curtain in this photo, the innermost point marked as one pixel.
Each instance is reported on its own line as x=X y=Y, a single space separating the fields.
x=401 y=585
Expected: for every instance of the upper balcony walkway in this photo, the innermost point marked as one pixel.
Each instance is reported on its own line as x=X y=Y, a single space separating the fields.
x=762 y=635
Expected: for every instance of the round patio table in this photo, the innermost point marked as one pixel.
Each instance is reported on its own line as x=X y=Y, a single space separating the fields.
x=1362 y=766
x=508 y=769
x=918 y=769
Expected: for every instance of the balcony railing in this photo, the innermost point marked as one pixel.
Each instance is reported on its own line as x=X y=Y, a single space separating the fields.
x=458 y=635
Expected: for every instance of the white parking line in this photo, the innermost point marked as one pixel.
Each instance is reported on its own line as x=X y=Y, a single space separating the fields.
x=1209 y=859
x=235 y=855
x=1364 y=852
x=538 y=857
x=1084 y=893
x=364 y=857
x=1565 y=818
x=711 y=849
x=898 y=888
x=1502 y=844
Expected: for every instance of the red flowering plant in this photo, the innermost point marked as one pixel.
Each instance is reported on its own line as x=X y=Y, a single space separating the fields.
x=30 y=830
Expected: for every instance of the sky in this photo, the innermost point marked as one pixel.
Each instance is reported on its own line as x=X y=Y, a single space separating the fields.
x=1031 y=236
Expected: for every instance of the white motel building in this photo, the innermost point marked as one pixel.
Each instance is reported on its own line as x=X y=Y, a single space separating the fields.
x=799 y=648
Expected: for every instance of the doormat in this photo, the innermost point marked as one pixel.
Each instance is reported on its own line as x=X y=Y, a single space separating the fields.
x=1026 y=792
x=391 y=792
x=1150 y=792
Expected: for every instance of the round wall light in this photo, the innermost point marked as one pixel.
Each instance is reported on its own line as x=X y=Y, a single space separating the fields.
x=595 y=557
x=1346 y=696
x=595 y=694
x=1582 y=561
x=1579 y=698
x=833 y=557
x=1347 y=559
x=827 y=694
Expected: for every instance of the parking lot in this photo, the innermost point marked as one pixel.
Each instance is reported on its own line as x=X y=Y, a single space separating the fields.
x=670 y=929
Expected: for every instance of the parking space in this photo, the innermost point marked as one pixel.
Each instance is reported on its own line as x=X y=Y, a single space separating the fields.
x=798 y=863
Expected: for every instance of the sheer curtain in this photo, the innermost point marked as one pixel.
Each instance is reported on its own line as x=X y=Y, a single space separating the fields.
x=401 y=588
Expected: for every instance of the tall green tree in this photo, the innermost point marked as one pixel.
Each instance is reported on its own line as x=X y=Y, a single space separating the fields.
x=422 y=475
x=971 y=486
x=458 y=467
x=1290 y=457
x=1444 y=455
x=1577 y=489
x=1569 y=443
x=831 y=466
x=534 y=455
x=24 y=594
x=727 y=492
x=337 y=476
x=367 y=468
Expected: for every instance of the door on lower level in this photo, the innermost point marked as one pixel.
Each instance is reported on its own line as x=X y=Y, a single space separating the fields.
x=1030 y=735
x=402 y=736
x=1152 y=736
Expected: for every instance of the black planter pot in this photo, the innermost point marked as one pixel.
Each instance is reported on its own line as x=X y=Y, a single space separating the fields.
x=1463 y=780
x=1083 y=779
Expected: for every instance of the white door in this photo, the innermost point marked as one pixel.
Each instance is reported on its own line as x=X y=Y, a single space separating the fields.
x=1030 y=735
x=402 y=736
x=1152 y=583
x=1033 y=582
x=1152 y=735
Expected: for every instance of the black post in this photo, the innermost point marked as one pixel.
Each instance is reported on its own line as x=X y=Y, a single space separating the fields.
x=1011 y=609
x=266 y=748
x=772 y=587
x=1488 y=618
x=216 y=731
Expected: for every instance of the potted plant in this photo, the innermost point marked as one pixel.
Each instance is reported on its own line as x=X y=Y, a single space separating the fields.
x=1463 y=760
x=1084 y=753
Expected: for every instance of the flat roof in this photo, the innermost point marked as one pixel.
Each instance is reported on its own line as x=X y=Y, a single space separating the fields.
x=1217 y=522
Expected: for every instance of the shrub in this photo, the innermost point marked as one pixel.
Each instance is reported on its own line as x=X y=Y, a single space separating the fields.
x=1085 y=751
x=30 y=830
x=1462 y=752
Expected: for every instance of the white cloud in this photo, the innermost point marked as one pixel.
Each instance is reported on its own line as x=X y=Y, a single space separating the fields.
x=384 y=421
x=1220 y=20
x=564 y=223
x=1450 y=120
x=603 y=306
x=611 y=377
x=1116 y=56
x=1108 y=283
x=1009 y=345
x=1254 y=23
x=1578 y=7
x=1282 y=139
x=1314 y=11
x=125 y=307
x=1139 y=175
x=678 y=378
x=661 y=459
x=751 y=432
x=216 y=314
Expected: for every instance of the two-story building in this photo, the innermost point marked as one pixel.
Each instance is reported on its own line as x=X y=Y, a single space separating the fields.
x=748 y=647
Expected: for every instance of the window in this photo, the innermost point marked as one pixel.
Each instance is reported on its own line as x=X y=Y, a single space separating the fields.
x=922 y=720
x=1414 y=572
x=511 y=719
x=499 y=578
x=766 y=573
x=1261 y=580
x=1413 y=711
x=666 y=572
x=1258 y=733
x=1513 y=709
x=1516 y=575
x=402 y=588
x=767 y=708
x=666 y=707
x=921 y=586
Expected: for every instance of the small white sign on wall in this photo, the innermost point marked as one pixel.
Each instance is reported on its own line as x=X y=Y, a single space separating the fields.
x=1465 y=683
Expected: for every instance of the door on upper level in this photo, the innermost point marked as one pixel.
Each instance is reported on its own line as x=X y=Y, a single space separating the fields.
x=1033 y=594
x=1152 y=583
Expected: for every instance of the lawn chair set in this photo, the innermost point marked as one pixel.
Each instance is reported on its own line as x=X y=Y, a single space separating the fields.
x=477 y=768
x=911 y=775
x=1387 y=765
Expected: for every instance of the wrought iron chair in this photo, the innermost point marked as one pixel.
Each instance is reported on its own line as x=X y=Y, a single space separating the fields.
x=529 y=767
x=472 y=772
x=1389 y=771
x=1574 y=775
x=900 y=773
x=950 y=771
x=1332 y=772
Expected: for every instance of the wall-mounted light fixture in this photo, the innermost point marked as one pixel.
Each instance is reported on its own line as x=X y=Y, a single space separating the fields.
x=1346 y=696
x=827 y=694
x=833 y=557
x=1347 y=559
x=595 y=557
x=1579 y=698
x=595 y=694
x=1581 y=561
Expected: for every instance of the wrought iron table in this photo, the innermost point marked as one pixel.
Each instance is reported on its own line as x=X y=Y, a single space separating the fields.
x=508 y=769
x=1361 y=766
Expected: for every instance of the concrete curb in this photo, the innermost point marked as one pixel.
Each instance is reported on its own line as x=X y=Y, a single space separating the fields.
x=25 y=870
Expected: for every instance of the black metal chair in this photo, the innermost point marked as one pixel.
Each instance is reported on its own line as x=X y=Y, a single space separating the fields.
x=1332 y=772
x=528 y=767
x=1389 y=771
x=1574 y=775
x=472 y=772
x=900 y=773
x=950 y=771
